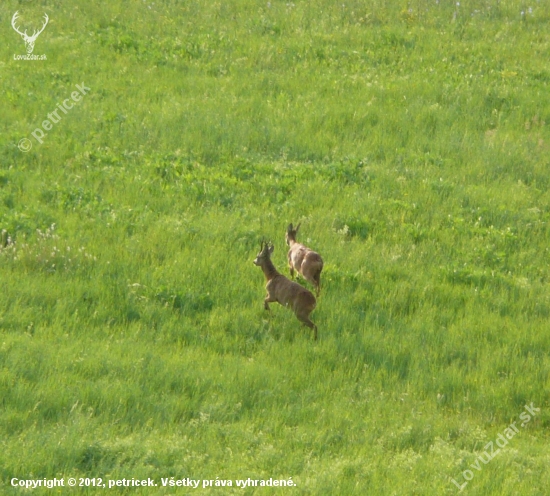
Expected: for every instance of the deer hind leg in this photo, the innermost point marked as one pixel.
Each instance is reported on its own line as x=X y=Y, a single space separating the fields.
x=304 y=318
x=317 y=283
x=312 y=275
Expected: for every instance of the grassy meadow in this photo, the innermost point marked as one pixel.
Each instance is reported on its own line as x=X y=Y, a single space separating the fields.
x=410 y=139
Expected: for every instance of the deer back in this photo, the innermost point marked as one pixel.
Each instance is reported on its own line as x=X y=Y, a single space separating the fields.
x=300 y=256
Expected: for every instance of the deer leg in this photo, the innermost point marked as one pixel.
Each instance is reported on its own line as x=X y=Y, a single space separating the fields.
x=305 y=320
x=290 y=265
x=317 y=282
x=268 y=299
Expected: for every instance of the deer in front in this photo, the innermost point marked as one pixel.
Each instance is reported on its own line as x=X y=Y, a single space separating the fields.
x=29 y=40
x=284 y=291
x=303 y=260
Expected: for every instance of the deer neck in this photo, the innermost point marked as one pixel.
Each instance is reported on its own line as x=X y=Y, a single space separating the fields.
x=269 y=270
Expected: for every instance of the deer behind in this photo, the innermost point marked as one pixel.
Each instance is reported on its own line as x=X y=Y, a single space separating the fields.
x=284 y=291
x=305 y=261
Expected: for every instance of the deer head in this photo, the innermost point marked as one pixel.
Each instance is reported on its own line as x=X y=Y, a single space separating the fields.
x=291 y=233
x=29 y=40
x=266 y=249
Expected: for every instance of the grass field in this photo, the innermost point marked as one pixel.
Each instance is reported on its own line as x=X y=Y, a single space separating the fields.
x=410 y=139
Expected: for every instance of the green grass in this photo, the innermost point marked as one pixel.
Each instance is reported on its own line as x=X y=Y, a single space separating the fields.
x=411 y=141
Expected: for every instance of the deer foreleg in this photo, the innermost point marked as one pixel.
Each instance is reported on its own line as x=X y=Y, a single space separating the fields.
x=268 y=299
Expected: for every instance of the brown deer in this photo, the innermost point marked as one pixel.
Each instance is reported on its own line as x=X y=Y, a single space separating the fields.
x=305 y=261
x=284 y=291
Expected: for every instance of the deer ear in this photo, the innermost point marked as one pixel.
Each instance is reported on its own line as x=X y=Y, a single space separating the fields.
x=271 y=248
x=298 y=227
x=289 y=228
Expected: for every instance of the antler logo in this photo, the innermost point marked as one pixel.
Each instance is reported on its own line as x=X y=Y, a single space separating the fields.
x=29 y=40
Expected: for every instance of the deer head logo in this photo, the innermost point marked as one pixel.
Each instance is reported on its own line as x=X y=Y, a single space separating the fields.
x=29 y=40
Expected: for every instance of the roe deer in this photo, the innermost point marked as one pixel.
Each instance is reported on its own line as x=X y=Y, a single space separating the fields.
x=306 y=262
x=284 y=291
